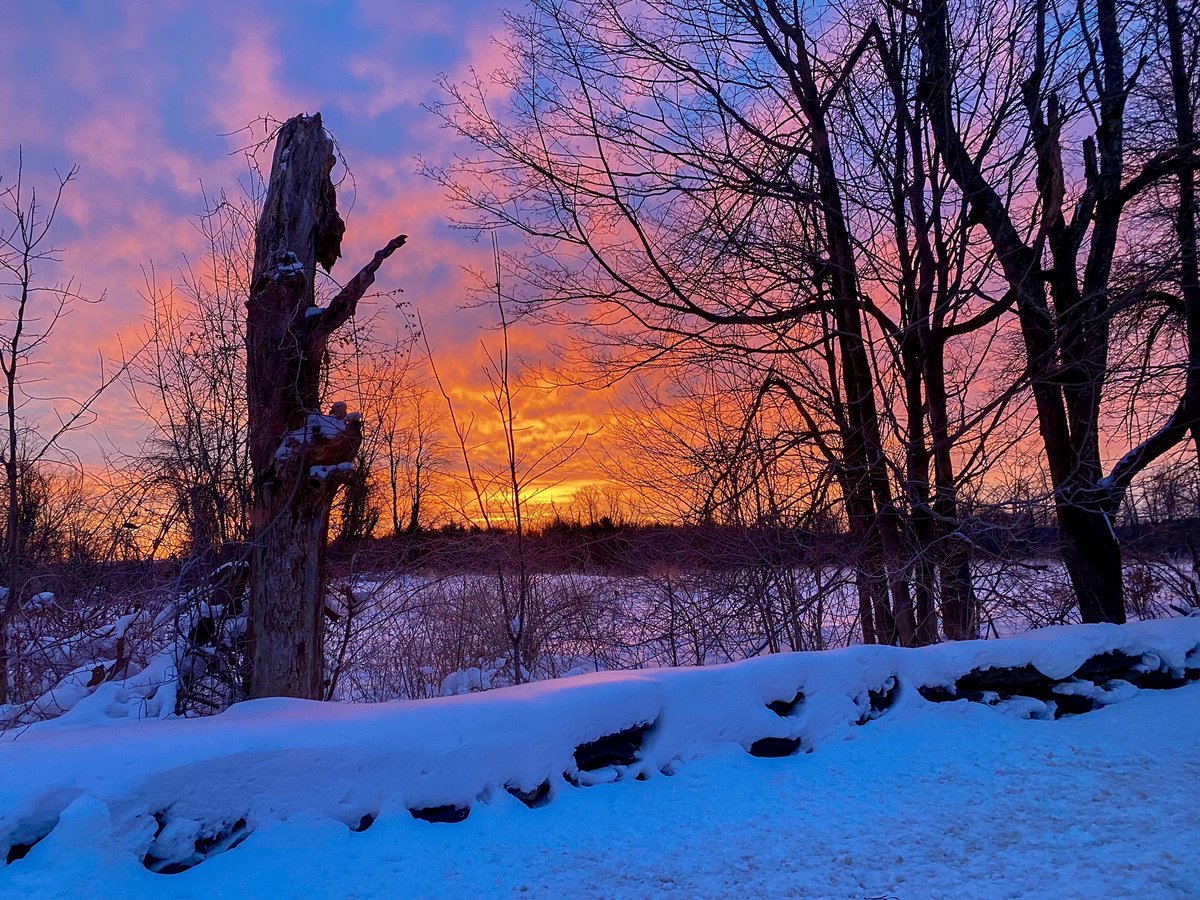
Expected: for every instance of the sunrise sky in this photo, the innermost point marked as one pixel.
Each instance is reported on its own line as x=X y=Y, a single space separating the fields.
x=147 y=99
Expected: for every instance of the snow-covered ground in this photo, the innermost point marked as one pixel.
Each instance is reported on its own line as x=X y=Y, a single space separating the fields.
x=911 y=799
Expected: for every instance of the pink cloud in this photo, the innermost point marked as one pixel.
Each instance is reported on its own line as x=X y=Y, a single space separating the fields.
x=249 y=77
x=142 y=117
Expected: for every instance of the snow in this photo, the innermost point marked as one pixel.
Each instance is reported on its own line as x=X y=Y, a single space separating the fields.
x=466 y=680
x=288 y=264
x=925 y=799
x=320 y=473
x=40 y=600
x=317 y=428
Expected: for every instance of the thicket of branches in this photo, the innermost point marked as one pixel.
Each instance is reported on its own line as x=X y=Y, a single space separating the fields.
x=908 y=251
x=903 y=300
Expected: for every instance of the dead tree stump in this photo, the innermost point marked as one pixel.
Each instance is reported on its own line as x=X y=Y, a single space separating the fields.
x=299 y=455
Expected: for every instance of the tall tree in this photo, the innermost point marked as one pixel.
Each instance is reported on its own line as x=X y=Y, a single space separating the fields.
x=698 y=177
x=33 y=308
x=1057 y=256
x=299 y=456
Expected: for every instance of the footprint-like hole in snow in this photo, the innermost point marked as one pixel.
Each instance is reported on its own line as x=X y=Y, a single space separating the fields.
x=180 y=843
x=618 y=749
x=449 y=814
x=785 y=708
x=775 y=747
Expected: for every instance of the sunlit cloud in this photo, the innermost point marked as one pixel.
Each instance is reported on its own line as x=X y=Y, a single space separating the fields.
x=153 y=102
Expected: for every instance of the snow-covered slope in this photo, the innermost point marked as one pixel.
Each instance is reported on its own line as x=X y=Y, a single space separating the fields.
x=887 y=792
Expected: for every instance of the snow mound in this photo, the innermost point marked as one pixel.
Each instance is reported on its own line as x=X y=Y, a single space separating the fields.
x=172 y=794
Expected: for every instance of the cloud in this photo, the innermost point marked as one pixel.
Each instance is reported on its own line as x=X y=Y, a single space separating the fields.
x=147 y=100
x=248 y=77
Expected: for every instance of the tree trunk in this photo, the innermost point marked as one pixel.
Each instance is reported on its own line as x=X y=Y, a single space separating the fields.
x=865 y=462
x=300 y=457
x=287 y=604
x=11 y=600
x=1092 y=557
x=1065 y=346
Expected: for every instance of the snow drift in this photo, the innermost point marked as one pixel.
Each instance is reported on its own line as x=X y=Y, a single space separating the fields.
x=173 y=793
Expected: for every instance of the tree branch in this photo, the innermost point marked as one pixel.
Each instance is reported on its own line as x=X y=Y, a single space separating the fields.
x=342 y=307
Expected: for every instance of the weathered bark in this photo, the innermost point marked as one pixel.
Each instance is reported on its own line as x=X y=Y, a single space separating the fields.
x=1066 y=348
x=299 y=456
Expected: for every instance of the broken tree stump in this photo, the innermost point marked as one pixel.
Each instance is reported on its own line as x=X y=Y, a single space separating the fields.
x=299 y=455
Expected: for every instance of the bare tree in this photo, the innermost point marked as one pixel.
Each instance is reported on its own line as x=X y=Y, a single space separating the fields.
x=299 y=455
x=503 y=486
x=34 y=308
x=704 y=180
x=190 y=384
x=791 y=182
x=1058 y=254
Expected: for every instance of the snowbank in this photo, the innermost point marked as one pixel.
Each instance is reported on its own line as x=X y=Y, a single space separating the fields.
x=172 y=793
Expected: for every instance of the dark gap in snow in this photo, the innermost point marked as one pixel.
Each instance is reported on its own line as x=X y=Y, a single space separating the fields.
x=785 y=708
x=206 y=844
x=1191 y=663
x=1107 y=666
x=17 y=851
x=1009 y=680
x=448 y=814
x=151 y=860
x=1145 y=671
x=534 y=799
x=367 y=820
x=993 y=684
x=1158 y=679
x=937 y=693
x=21 y=850
x=878 y=700
x=619 y=749
x=224 y=840
x=1070 y=704
x=1087 y=689
x=32 y=834
x=774 y=747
